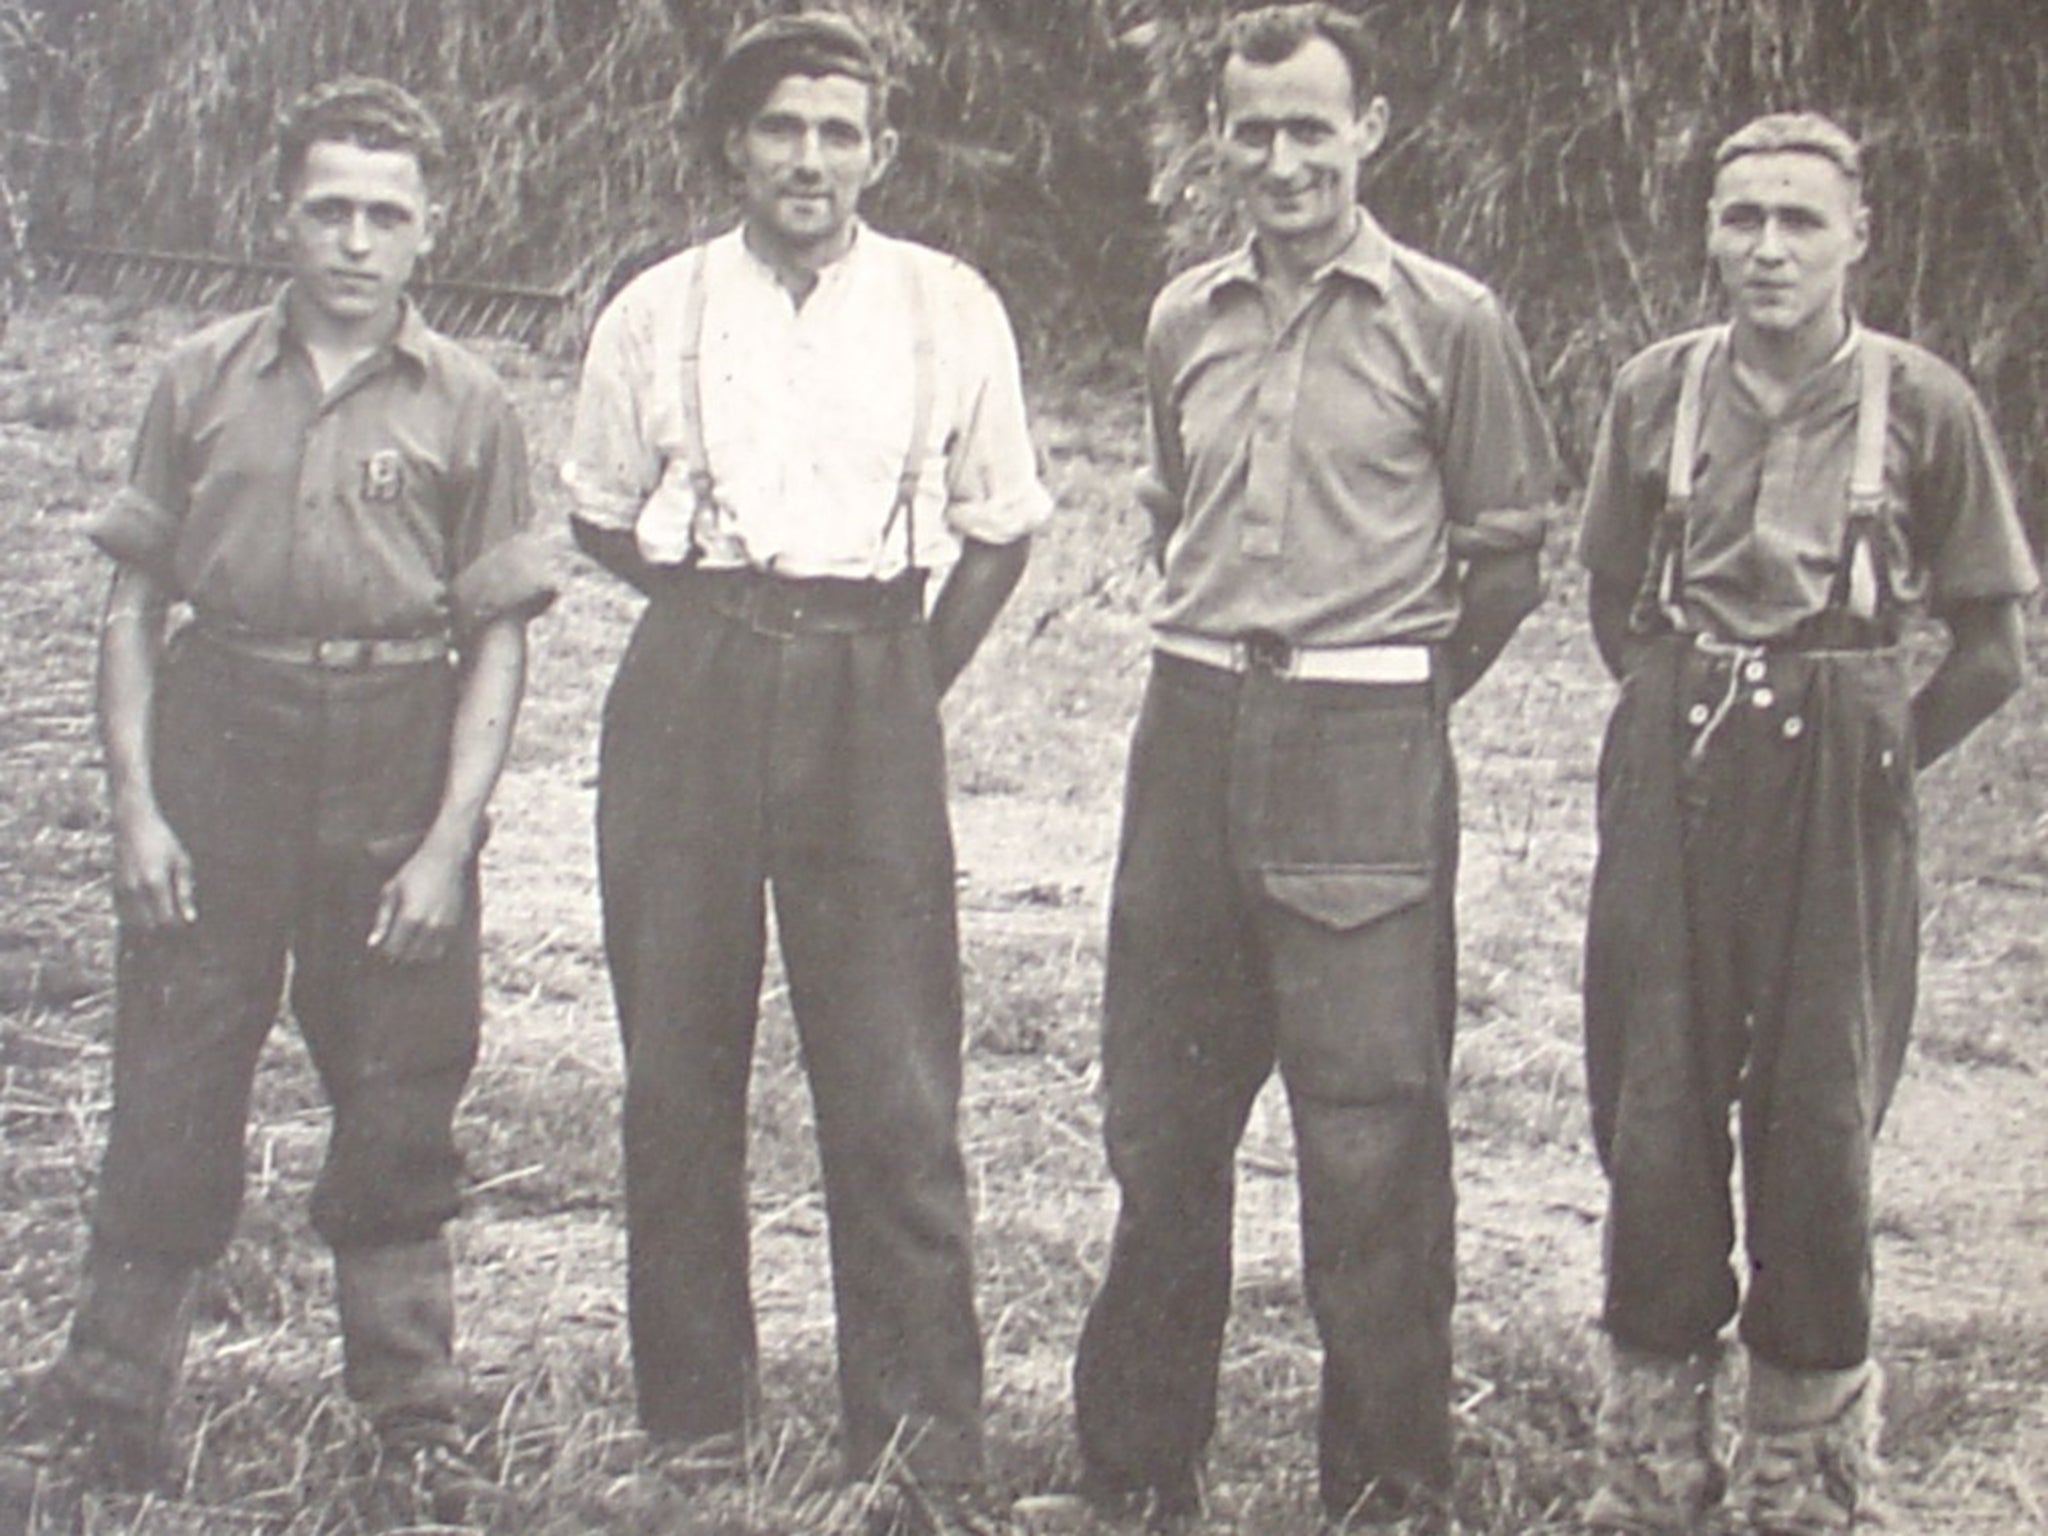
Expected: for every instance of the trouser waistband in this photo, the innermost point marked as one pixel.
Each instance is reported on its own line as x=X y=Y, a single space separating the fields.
x=791 y=605
x=1262 y=651
x=333 y=653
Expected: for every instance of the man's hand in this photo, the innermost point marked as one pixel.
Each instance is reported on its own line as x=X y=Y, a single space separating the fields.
x=153 y=884
x=420 y=907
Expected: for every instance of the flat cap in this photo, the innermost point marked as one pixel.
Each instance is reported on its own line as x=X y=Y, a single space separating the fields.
x=806 y=43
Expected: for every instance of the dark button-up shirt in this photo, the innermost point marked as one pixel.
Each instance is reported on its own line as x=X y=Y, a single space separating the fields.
x=1317 y=474
x=1770 y=495
x=396 y=503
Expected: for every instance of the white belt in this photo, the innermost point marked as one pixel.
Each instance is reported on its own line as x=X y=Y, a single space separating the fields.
x=1305 y=663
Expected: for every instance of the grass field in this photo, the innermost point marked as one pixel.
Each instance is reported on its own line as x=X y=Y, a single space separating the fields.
x=1037 y=732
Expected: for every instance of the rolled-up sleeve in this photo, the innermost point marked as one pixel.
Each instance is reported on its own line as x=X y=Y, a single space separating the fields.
x=1500 y=464
x=994 y=492
x=503 y=568
x=611 y=464
x=139 y=526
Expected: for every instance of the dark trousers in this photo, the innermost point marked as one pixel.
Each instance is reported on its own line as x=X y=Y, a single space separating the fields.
x=1752 y=945
x=297 y=792
x=795 y=745
x=1283 y=895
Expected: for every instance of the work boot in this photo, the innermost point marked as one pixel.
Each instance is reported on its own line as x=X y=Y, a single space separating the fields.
x=1653 y=1441
x=106 y=1405
x=397 y=1307
x=1807 y=1462
x=428 y=1459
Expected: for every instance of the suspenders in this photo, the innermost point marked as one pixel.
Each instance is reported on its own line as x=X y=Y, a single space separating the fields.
x=924 y=354
x=1662 y=592
x=1862 y=587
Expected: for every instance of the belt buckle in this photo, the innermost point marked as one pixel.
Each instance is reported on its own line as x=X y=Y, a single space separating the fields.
x=775 y=609
x=1263 y=650
x=342 y=655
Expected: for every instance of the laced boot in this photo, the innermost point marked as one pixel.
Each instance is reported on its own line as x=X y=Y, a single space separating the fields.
x=1807 y=1462
x=1653 y=1439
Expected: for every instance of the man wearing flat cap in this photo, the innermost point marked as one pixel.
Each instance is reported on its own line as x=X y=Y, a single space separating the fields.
x=781 y=434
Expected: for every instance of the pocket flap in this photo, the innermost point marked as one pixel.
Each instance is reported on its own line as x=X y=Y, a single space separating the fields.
x=1344 y=896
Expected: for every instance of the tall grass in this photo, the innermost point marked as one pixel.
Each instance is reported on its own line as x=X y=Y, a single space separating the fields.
x=1557 y=147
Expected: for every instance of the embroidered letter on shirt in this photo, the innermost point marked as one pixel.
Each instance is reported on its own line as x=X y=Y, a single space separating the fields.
x=383 y=475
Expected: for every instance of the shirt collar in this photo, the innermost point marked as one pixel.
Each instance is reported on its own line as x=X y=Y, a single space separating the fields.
x=853 y=257
x=1830 y=380
x=1367 y=257
x=274 y=332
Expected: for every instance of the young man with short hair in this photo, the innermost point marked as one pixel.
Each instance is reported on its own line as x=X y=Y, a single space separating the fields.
x=780 y=434
x=1348 y=479
x=298 y=776
x=1770 y=501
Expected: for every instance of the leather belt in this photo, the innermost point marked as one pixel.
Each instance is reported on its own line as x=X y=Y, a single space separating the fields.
x=1261 y=651
x=792 y=605
x=332 y=654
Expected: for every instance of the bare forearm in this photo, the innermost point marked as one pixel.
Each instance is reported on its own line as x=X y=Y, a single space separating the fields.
x=486 y=709
x=617 y=550
x=131 y=644
x=1609 y=604
x=980 y=583
x=1984 y=667
x=1498 y=592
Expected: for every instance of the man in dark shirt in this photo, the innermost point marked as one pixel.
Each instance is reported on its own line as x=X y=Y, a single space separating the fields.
x=1348 y=473
x=1769 y=501
x=340 y=497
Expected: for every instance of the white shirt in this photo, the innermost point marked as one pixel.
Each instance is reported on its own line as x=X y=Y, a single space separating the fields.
x=807 y=415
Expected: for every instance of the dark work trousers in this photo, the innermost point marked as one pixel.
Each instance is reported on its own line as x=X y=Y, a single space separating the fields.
x=1283 y=894
x=790 y=737
x=1752 y=945
x=298 y=792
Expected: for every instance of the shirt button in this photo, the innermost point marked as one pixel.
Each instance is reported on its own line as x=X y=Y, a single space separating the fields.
x=1794 y=727
x=1753 y=671
x=1763 y=698
x=1697 y=715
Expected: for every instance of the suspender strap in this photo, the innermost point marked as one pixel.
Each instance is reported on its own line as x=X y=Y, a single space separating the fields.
x=924 y=390
x=695 y=288
x=1685 y=431
x=1862 y=584
x=1660 y=597
x=1873 y=411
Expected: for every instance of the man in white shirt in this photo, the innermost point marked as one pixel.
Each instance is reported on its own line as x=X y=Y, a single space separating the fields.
x=779 y=434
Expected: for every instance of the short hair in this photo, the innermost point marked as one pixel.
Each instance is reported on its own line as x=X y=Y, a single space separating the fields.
x=1800 y=133
x=1273 y=34
x=361 y=110
x=813 y=43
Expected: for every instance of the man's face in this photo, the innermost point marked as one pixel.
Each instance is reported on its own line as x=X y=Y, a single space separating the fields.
x=804 y=158
x=353 y=228
x=1783 y=229
x=1293 y=137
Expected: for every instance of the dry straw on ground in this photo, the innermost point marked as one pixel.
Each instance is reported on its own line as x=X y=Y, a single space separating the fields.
x=1037 y=733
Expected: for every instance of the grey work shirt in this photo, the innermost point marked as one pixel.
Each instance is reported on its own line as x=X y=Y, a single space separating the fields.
x=1770 y=497
x=1318 y=474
